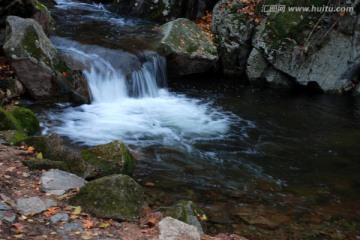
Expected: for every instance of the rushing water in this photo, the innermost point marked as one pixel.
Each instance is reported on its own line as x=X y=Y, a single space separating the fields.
x=243 y=156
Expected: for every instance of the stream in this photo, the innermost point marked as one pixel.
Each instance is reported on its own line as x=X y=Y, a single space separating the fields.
x=261 y=163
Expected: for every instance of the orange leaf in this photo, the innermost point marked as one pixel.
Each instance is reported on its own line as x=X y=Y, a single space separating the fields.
x=51 y=211
x=87 y=223
x=64 y=74
x=342 y=14
x=31 y=148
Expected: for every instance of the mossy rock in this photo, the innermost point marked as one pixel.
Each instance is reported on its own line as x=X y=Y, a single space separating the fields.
x=12 y=137
x=44 y=164
x=51 y=146
x=9 y=122
x=117 y=197
x=110 y=158
x=188 y=212
x=27 y=119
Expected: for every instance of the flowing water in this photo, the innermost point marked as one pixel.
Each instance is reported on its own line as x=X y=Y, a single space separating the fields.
x=264 y=164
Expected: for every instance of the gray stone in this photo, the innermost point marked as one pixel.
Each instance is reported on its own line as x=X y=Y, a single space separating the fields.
x=59 y=217
x=233 y=30
x=117 y=197
x=4 y=206
x=276 y=79
x=33 y=205
x=187 y=48
x=189 y=213
x=57 y=182
x=37 y=62
x=8 y=216
x=256 y=66
x=74 y=226
x=173 y=229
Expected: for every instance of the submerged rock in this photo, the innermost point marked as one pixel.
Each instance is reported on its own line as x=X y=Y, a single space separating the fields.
x=110 y=158
x=171 y=228
x=117 y=197
x=37 y=63
x=189 y=213
x=187 y=48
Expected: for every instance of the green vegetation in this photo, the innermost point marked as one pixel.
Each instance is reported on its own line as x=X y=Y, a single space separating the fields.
x=26 y=118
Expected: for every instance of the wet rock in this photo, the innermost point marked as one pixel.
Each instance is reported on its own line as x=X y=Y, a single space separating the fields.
x=117 y=197
x=163 y=10
x=187 y=48
x=174 y=229
x=188 y=212
x=59 y=217
x=43 y=17
x=37 y=62
x=110 y=158
x=33 y=205
x=233 y=30
x=57 y=182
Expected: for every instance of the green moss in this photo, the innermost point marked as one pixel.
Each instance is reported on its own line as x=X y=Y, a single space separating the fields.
x=26 y=118
x=9 y=122
x=191 y=47
x=44 y=164
x=111 y=158
x=30 y=43
x=13 y=136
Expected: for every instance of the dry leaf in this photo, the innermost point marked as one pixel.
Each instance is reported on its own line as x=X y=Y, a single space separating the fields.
x=77 y=210
x=39 y=155
x=51 y=211
x=104 y=225
x=31 y=149
x=87 y=223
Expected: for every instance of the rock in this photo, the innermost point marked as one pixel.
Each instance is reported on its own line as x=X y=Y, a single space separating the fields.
x=43 y=17
x=187 y=48
x=52 y=147
x=33 y=205
x=26 y=118
x=57 y=182
x=118 y=197
x=9 y=122
x=256 y=66
x=37 y=62
x=44 y=164
x=173 y=229
x=74 y=226
x=8 y=216
x=12 y=137
x=327 y=58
x=163 y=10
x=4 y=206
x=233 y=30
x=110 y=158
x=189 y=213
x=23 y=8
x=11 y=88
x=59 y=217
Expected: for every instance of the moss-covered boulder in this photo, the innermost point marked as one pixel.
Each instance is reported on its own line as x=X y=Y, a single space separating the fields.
x=187 y=48
x=44 y=164
x=312 y=49
x=116 y=197
x=43 y=17
x=9 y=122
x=38 y=64
x=188 y=212
x=52 y=147
x=26 y=118
x=110 y=158
x=12 y=137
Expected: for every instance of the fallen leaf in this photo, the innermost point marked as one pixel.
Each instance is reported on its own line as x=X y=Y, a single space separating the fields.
x=18 y=227
x=31 y=149
x=104 y=225
x=39 y=155
x=51 y=211
x=77 y=210
x=87 y=223
x=10 y=169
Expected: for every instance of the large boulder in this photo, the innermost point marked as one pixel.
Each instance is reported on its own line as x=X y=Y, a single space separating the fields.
x=187 y=48
x=163 y=10
x=52 y=148
x=26 y=118
x=117 y=197
x=38 y=65
x=110 y=158
x=326 y=55
x=233 y=30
